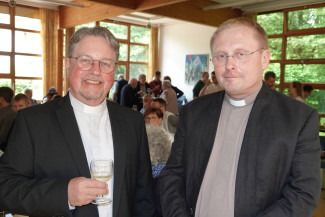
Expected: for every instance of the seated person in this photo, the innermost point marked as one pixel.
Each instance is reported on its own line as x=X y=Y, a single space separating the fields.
x=170 y=121
x=170 y=97
x=7 y=116
x=296 y=91
x=147 y=99
x=308 y=89
x=29 y=92
x=20 y=101
x=211 y=86
x=159 y=147
x=153 y=116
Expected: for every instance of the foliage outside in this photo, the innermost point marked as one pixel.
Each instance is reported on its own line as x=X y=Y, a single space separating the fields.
x=300 y=48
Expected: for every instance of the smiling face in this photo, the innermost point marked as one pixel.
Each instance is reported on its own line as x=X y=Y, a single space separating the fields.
x=240 y=79
x=91 y=86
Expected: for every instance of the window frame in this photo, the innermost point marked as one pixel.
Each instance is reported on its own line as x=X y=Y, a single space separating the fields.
x=289 y=33
x=13 y=53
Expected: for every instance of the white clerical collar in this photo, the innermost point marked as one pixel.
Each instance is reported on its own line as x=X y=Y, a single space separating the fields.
x=237 y=103
x=76 y=104
x=243 y=102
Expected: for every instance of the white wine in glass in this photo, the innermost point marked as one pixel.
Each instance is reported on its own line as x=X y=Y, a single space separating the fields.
x=101 y=170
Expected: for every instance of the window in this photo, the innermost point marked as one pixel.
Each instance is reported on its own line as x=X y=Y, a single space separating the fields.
x=298 y=50
x=134 y=47
x=20 y=49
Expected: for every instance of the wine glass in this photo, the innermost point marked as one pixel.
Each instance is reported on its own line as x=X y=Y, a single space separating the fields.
x=101 y=170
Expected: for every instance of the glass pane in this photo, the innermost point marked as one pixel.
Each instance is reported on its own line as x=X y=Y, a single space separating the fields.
x=317 y=100
x=29 y=66
x=119 y=31
x=137 y=69
x=275 y=45
x=27 y=42
x=36 y=85
x=5 y=64
x=275 y=67
x=120 y=70
x=306 y=47
x=27 y=18
x=313 y=73
x=286 y=91
x=139 y=53
x=4 y=14
x=123 y=52
x=306 y=19
x=322 y=122
x=91 y=24
x=268 y=21
x=140 y=35
x=5 y=40
x=5 y=82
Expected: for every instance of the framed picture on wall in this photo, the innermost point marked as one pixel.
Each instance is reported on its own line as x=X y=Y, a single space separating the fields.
x=194 y=65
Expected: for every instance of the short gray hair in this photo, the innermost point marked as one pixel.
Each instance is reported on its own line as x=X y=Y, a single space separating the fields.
x=159 y=144
x=97 y=31
x=166 y=83
x=27 y=90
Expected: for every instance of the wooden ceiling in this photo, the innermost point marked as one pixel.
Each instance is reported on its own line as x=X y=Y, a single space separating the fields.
x=186 y=10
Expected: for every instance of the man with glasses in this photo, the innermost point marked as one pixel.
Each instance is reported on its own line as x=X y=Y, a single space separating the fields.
x=247 y=150
x=45 y=171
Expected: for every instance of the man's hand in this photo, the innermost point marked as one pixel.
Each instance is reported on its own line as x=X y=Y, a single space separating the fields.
x=82 y=191
x=157 y=87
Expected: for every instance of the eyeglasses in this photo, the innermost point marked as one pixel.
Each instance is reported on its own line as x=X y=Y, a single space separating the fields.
x=85 y=63
x=220 y=59
x=151 y=118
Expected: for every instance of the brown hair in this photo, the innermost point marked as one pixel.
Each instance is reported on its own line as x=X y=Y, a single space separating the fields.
x=21 y=96
x=299 y=88
x=151 y=110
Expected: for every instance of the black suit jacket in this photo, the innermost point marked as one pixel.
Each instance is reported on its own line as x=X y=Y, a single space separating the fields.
x=129 y=96
x=45 y=151
x=278 y=169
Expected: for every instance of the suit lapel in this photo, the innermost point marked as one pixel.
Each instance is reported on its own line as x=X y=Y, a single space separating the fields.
x=70 y=130
x=253 y=140
x=71 y=133
x=117 y=127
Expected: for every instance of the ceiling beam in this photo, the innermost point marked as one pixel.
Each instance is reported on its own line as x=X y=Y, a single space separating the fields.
x=130 y=4
x=104 y=9
x=192 y=12
x=233 y=4
x=149 y=4
x=92 y=11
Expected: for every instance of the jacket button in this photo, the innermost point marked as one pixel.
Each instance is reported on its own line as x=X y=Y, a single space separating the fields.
x=190 y=211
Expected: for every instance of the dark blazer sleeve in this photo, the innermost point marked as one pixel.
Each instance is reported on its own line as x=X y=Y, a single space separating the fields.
x=21 y=190
x=300 y=194
x=172 y=185
x=144 y=202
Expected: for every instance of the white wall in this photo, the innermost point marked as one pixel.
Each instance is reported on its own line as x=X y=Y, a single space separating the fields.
x=175 y=42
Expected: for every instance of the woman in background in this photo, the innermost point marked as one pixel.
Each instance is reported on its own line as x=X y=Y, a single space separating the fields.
x=296 y=91
x=159 y=147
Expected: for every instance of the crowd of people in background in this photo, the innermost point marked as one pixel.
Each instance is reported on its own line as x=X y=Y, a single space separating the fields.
x=206 y=86
x=10 y=104
x=188 y=148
